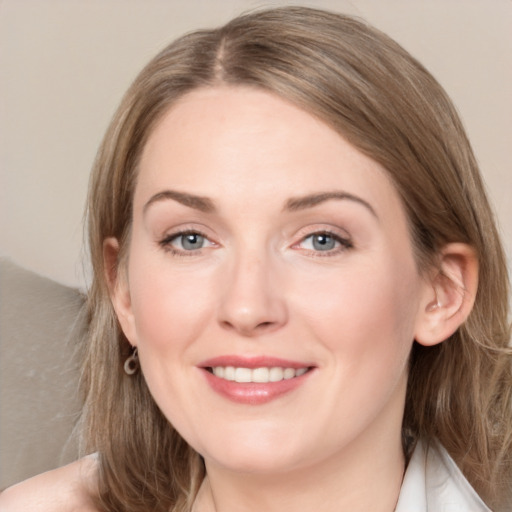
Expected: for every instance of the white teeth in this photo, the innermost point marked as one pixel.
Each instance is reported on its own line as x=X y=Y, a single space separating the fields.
x=275 y=374
x=243 y=375
x=229 y=373
x=289 y=373
x=260 y=375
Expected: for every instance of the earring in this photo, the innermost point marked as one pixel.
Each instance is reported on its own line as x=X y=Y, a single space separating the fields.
x=131 y=365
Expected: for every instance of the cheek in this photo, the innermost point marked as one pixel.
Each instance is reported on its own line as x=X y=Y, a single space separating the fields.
x=170 y=308
x=365 y=313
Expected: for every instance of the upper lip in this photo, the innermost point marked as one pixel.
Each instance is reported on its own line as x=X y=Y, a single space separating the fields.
x=253 y=362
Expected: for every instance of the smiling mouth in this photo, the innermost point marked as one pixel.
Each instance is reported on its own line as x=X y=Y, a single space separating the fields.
x=260 y=375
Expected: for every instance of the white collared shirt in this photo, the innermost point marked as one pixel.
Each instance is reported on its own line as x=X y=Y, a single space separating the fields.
x=434 y=483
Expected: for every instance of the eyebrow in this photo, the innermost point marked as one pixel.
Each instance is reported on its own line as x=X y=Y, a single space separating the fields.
x=203 y=204
x=311 y=200
x=206 y=205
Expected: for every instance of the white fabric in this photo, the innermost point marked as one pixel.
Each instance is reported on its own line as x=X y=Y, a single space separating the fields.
x=434 y=483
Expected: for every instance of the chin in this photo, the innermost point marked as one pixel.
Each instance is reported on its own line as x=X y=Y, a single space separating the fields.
x=255 y=463
x=254 y=454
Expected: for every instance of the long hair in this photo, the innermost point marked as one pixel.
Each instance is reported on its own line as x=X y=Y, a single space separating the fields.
x=370 y=90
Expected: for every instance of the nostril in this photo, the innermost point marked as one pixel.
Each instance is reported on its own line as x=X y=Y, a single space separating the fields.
x=251 y=315
x=249 y=328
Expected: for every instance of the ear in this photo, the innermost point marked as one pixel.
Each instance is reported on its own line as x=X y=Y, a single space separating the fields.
x=449 y=295
x=119 y=290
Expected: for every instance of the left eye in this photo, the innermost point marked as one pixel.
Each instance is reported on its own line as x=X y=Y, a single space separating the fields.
x=323 y=242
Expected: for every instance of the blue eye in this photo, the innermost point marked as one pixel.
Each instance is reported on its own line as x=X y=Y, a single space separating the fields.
x=185 y=242
x=325 y=242
x=191 y=241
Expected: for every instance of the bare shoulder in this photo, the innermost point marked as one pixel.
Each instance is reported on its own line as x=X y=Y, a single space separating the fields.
x=64 y=489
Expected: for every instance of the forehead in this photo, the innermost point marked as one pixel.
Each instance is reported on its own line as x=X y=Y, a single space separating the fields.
x=239 y=142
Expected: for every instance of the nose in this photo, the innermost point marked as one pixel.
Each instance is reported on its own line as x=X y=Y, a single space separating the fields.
x=252 y=299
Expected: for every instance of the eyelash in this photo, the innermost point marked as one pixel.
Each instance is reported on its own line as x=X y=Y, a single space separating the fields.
x=344 y=243
x=166 y=242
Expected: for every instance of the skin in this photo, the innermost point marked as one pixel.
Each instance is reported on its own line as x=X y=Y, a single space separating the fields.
x=257 y=286
x=230 y=164
x=66 y=489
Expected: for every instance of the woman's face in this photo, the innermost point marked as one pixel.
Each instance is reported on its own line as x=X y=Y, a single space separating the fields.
x=271 y=286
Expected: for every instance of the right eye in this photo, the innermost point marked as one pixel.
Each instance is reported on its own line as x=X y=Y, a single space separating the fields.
x=186 y=242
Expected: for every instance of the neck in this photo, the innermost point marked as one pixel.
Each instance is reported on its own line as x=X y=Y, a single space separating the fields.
x=355 y=481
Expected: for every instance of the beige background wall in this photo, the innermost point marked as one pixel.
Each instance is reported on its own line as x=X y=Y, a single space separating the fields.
x=64 y=65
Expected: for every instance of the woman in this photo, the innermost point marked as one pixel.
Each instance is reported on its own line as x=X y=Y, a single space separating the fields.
x=299 y=292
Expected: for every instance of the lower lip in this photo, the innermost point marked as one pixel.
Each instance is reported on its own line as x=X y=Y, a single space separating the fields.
x=253 y=393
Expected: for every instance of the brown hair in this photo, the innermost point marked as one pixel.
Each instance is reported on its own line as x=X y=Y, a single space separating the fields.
x=370 y=90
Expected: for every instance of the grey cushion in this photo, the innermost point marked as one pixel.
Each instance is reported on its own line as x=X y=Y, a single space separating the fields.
x=40 y=327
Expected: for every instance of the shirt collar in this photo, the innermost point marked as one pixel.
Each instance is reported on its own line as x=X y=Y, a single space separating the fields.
x=434 y=483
